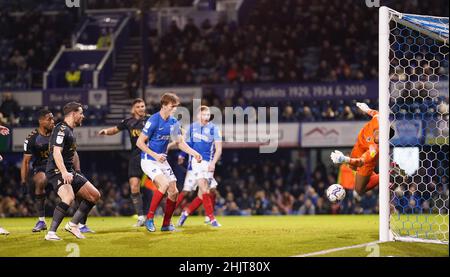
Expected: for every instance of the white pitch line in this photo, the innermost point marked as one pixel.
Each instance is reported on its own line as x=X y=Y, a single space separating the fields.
x=323 y=252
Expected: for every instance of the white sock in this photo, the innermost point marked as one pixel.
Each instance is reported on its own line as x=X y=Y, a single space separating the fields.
x=185 y=213
x=141 y=217
x=51 y=233
x=72 y=224
x=81 y=225
x=42 y=218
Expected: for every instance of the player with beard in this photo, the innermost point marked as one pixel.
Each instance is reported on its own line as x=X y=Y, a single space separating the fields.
x=133 y=125
x=61 y=174
x=36 y=150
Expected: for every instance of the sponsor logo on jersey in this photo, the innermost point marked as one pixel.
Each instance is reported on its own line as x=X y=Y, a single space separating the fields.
x=373 y=153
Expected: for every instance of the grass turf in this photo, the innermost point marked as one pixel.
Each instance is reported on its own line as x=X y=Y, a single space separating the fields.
x=257 y=236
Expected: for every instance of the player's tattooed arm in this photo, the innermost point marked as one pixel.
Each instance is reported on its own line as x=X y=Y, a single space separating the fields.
x=109 y=131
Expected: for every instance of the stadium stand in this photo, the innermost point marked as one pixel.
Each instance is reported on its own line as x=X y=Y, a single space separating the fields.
x=296 y=49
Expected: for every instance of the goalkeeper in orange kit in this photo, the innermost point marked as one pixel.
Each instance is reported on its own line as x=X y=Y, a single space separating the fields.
x=364 y=155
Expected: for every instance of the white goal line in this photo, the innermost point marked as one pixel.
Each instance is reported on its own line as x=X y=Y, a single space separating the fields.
x=323 y=252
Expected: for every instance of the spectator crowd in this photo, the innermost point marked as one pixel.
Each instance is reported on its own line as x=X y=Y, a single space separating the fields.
x=28 y=43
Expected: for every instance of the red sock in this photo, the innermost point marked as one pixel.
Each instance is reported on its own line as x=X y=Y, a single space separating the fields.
x=212 y=196
x=208 y=206
x=373 y=181
x=179 y=199
x=156 y=199
x=194 y=205
x=170 y=207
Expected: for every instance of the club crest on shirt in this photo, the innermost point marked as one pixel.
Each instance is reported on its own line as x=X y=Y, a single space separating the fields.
x=59 y=139
x=147 y=125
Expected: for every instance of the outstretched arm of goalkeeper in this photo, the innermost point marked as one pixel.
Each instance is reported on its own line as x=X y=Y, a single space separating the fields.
x=365 y=108
x=338 y=158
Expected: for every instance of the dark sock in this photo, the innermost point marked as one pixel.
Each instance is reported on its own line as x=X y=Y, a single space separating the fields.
x=58 y=215
x=82 y=212
x=137 y=203
x=40 y=204
x=84 y=219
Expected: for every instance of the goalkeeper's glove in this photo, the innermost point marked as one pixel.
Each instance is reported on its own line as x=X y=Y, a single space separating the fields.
x=363 y=107
x=338 y=157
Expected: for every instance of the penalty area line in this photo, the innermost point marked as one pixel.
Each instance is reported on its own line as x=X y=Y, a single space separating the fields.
x=323 y=252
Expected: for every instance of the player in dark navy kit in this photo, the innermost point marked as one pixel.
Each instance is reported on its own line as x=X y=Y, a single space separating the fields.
x=159 y=129
x=35 y=149
x=133 y=125
x=61 y=174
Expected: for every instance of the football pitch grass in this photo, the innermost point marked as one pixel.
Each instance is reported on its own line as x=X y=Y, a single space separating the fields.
x=253 y=236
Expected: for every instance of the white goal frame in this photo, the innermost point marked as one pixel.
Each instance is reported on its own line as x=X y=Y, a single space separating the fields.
x=386 y=15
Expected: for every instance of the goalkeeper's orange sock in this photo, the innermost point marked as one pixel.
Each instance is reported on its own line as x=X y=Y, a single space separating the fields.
x=373 y=181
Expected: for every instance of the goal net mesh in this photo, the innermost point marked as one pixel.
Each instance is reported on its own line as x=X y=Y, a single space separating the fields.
x=419 y=171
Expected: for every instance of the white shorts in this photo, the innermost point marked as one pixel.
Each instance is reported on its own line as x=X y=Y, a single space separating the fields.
x=201 y=170
x=190 y=182
x=154 y=168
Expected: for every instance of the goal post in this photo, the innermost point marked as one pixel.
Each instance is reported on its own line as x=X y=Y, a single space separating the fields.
x=413 y=100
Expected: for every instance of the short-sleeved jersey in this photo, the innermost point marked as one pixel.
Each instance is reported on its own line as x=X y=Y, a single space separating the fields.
x=134 y=127
x=366 y=139
x=159 y=133
x=202 y=139
x=36 y=145
x=62 y=136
